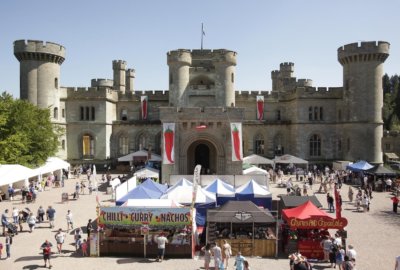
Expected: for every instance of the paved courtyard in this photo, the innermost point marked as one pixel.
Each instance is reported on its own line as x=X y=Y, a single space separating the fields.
x=374 y=235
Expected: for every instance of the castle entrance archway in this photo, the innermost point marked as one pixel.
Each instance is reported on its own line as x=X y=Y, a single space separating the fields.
x=204 y=153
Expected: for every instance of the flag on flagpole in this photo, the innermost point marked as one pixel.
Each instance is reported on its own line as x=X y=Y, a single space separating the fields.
x=202 y=30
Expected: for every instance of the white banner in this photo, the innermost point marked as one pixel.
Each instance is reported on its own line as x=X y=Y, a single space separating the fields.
x=144 y=105
x=236 y=139
x=169 y=141
x=260 y=107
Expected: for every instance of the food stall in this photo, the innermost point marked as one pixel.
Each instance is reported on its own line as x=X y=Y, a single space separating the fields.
x=245 y=226
x=305 y=227
x=133 y=231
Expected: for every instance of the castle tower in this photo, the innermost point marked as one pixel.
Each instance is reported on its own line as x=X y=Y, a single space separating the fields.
x=119 y=68
x=225 y=62
x=283 y=79
x=179 y=62
x=363 y=99
x=130 y=80
x=40 y=72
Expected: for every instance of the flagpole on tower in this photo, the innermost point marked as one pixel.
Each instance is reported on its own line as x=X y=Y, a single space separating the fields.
x=202 y=35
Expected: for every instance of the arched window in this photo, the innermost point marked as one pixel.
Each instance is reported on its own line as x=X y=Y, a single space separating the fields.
x=123 y=145
x=55 y=113
x=315 y=146
x=124 y=114
x=142 y=141
x=278 y=115
x=87 y=146
x=259 y=144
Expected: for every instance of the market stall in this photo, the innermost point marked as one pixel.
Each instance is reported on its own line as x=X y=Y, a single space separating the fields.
x=252 y=191
x=222 y=190
x=245 y=226
x=133 y=231
x=305 y=227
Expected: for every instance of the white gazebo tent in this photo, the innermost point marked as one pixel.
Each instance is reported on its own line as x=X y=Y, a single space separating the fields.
x=14 y=175
x=140 y=154
x=257 y=160
x=53 y=165
x=147 y=173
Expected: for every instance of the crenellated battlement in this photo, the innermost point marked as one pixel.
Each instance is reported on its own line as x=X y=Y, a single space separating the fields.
x=222 y=114
x=91 y=93
x=218 y=55
x=102 y=83
x=39 y=50
x=363 y=52
x=119 y=64
x=323 y=92
x=304 y=83
x=130 y=72
x=181 y=56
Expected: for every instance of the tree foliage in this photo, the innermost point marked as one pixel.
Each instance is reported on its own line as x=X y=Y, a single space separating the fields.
x=27 y=136
x=391 y=102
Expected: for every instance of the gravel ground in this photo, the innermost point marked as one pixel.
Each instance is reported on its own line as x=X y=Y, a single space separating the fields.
x=373 y=234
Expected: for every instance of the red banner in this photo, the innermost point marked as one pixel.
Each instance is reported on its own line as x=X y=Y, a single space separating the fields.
x=144 y=105
x=260 y=108
x=317 y=223
x=236 y=139
x=169 y=140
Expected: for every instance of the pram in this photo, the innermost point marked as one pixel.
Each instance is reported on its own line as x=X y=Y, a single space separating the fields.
x=25 y=213
x=12 y=229
x=29 y=197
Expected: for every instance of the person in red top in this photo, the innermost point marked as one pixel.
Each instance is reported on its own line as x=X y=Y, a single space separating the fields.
x=46 y=246
x=395 y=200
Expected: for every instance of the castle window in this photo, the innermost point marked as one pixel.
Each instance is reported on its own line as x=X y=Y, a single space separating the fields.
x=315 y=113
x=315 y=146
x=232 y=77
x=387 y=146
x=55 y=113
x=259 y=145
x=321 y=113
x=123 y=146
x=93 y=114
x=87 y=111
x=124 y=114
x=82 y=113
x=63 y=113
x=63 y=144
x=310 y=113
x=278 y=115
x=56 y=83
x=87 y=146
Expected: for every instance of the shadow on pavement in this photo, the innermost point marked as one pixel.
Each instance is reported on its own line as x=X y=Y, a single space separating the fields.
x=135 y=260
x=32 y=266
x=389 y=217
x=29 y=258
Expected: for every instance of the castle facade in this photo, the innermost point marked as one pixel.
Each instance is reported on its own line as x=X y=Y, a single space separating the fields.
x=111 y=118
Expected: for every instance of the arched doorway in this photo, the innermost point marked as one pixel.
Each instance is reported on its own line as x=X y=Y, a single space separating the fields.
x=204 y=153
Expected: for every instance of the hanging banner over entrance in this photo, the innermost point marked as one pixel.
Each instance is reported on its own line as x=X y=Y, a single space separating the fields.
x=236 y=139
x=169 y=140
x=144 y=105
x=260 y=108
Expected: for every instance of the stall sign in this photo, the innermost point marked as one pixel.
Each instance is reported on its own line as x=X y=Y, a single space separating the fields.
x=144 y=216
x=144 y=230
x=310 y=249
x=317 y=223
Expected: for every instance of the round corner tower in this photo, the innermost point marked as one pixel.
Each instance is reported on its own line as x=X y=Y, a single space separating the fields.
x=225 y=62
x=363 y=98
x=40 y=64
x=179 y=62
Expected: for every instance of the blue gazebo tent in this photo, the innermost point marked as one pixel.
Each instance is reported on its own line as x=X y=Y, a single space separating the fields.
x=139 y=192
x=359 y=166
x=150 y=184
x=223 y=191
x=252 y=191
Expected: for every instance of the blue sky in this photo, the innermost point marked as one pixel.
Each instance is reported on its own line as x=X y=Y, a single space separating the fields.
x=264 y=33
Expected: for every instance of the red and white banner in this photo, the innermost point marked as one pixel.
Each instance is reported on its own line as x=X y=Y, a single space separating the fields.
x=260 y=107
x=236 y=139
x=169 y=140
x=144 y=105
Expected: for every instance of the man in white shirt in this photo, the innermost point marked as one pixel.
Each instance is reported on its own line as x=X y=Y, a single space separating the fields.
x=161 y=241
x=217 y=256
x=351 y=253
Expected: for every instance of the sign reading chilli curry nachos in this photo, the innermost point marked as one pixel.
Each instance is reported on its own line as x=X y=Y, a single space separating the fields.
x=128 y=216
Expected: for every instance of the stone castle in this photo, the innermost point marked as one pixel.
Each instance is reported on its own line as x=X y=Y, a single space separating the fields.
x=104 y=121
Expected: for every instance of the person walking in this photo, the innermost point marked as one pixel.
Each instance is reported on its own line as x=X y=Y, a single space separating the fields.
x=351 y=253
x=161 y=242
x=217 y=256
x=84 y=247
x=46 y=247
x=78 y=238
x=227 y=253
x=326 y=245
x=207 y=256
x=15 y=215
x=350 y=194
x=89 y=228
x=31 y=220
x=60 y=238
x=395 y=201
x=70 y=222
x=40 y=213
x=330 y=201
x=4 y=220
x=8 y=245
x=51 y=213
x=239 y=261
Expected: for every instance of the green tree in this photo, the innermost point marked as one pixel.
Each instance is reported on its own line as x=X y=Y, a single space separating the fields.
x=27 y=136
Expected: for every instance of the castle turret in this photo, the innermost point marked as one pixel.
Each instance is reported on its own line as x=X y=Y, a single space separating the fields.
x=363 y=98
x=119 y=67
x=130 y=80
x=40 y=72
x=225 y=62
x=179 y=62
x=283 y=79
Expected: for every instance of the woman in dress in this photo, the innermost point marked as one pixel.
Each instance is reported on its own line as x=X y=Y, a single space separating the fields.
x=207 y=256
x=227 y=253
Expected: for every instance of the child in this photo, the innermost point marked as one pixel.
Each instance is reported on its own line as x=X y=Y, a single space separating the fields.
x=84 y=246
